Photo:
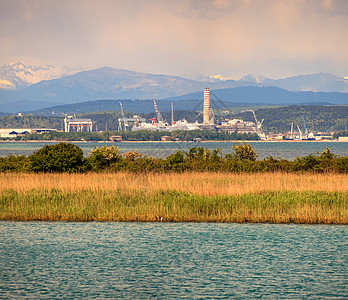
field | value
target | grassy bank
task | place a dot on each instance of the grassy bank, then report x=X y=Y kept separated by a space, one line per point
x=211 y=197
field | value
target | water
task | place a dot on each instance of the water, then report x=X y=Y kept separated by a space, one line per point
x=59 y=260
x=286 y=150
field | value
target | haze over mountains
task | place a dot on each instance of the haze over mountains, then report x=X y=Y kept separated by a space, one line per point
x=320 y=82
x=17 y=75
x=26 y=88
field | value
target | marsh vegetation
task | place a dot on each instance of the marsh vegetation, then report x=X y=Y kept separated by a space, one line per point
x=186 y=197
x=56 y=183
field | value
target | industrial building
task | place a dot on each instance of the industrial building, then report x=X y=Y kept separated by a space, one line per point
x=14 y=132
x=227 y=126
x=237 y=125
x=71 y=123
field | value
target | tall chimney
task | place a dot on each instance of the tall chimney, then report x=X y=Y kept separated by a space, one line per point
x=206 y=106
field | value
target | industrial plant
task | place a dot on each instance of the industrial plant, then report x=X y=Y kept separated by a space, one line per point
x=226 y=125
x=71 y=123
x=217 y=120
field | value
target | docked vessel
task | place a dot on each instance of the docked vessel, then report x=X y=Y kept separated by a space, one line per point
x=158 y=123
x=183 y=125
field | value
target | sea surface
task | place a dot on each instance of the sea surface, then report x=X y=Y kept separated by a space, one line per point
x=285 y=150
x=71 y=260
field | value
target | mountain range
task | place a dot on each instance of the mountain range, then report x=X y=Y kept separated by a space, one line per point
x=17 y=75
x=321 y=82
x=269 y=95
x=29 y=88
x=233 y=98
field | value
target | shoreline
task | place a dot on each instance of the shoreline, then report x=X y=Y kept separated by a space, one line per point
x=193 y=142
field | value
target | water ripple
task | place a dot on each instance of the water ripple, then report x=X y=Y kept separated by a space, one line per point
x=172 y=261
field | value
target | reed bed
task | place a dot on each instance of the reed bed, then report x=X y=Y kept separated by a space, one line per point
x=195 y=183
x=272 y=207
x=187 y=197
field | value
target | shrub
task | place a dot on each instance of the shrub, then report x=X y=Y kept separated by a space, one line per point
x=14 y=163
x=341 y=164
x=245 y=151
x=103 y=157
x=307 y=163
x=132 y=155
x=62 y=157
x=175 y=161
x=327 y=154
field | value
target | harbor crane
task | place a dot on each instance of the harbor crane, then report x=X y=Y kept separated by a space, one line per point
x=125 y=123
x=305 y=128
x=258 y=124
x=300 y=132
x=158 y=114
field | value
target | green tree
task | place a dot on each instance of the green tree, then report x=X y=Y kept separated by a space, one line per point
x=62 y=157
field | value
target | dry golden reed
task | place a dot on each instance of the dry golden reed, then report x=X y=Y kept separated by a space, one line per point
x=208 y=183
x=187 y=197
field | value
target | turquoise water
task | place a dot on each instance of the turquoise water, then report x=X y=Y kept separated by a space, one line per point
x=59 y=260
x=286 y=150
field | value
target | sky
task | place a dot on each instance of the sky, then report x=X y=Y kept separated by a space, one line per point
x=274 y=38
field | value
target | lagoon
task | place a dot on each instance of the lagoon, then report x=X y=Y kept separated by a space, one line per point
x=285 y=150
x=67 y=260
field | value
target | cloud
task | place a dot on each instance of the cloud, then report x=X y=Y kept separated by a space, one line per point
x=230 y=37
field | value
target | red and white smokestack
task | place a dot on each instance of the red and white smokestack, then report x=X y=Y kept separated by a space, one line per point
x=206 y=106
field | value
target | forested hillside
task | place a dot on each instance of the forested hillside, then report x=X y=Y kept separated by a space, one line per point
x=317 y=117
x=30 y=121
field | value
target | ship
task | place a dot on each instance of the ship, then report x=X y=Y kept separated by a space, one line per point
x=158 y=123
x=183 y=125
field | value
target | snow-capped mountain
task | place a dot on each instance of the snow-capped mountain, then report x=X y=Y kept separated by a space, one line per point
x=53 y=88
x=319 y=82
x=254 y=78
x=18 y=75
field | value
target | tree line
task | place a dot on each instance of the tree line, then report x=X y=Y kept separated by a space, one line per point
x=66 y=157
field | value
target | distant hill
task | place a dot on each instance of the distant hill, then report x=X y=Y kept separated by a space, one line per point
x=23 y=106
x=18 y=75
x=110 y=83
x=279 y=119
x=31 y=122
x=321 y=82
x=317 y=118
x=136 y=106
x=233 y=98
x=106 y=83
x=270 y=96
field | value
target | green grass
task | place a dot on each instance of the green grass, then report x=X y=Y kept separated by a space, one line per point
x=308 y=207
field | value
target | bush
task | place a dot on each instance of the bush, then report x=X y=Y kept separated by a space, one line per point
x=103 y=157
x=175 y=161
x=341 y=164
x=14 y=163
x=62 y=157
x=245 y=151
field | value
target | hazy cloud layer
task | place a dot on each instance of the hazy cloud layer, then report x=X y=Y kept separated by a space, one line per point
x=231 y=37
